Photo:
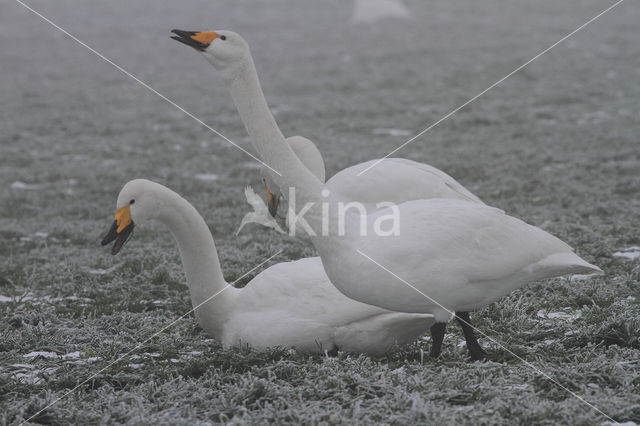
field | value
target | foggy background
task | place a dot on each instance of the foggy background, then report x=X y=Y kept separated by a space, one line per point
x=557 y=145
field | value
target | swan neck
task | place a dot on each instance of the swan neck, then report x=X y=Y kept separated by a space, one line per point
x=200 y=261
x=270 y=143
x=247 y=94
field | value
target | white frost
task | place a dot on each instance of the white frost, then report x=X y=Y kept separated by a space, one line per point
x=29 y=378
x=99 y=271
x=86 y=360
x=559 y=315
x=29 y=366
x=630 y=253
x=43 y=354
x=578 y=277
x=40 y=300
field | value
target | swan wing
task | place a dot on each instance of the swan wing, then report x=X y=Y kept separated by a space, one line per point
x=461 y=254
x=396 y=180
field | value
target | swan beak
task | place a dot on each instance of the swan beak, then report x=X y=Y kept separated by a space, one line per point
x=272 y=201
x=120 y=230
x=198 y=40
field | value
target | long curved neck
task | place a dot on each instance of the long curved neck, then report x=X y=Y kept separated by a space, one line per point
x=200 y=261
x=271 y=145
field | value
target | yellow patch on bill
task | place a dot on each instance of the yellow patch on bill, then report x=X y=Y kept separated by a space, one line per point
x=123 y=218
x=205 y=37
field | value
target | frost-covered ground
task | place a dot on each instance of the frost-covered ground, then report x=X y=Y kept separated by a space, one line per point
x=558 y=144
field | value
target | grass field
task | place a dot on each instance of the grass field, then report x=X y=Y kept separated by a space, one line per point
x=558 y=145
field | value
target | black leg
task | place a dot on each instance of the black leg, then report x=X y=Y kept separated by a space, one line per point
x=437 y=336
x=475 y=350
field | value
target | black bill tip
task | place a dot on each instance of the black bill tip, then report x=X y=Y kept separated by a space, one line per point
x=111 y=235
x=119 y=237
x=123 y=237
x=185 y=37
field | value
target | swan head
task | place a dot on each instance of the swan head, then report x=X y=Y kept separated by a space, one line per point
x=138 y=200
x=225 y=50
x=308 y=154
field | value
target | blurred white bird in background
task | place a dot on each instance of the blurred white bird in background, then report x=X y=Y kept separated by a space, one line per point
x=376 y=10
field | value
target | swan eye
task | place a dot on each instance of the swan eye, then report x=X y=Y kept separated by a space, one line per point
x=223 y=37
x=132 y=201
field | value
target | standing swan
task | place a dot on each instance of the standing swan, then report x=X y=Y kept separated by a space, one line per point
x=446 y=256
x=290 y=304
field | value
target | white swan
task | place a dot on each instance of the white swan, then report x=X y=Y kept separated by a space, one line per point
x=449 y=255
x=375 y=10
x=290 y=304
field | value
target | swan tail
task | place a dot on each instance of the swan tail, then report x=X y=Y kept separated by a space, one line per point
x=563 y=264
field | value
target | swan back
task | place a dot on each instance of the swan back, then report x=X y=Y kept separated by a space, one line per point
x=396 y=180
x=295 y=305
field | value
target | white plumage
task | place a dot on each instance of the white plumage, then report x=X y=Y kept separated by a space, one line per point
x=459 y=255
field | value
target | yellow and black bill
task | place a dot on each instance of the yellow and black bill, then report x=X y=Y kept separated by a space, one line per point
x=120 y=230
x=199 y=40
